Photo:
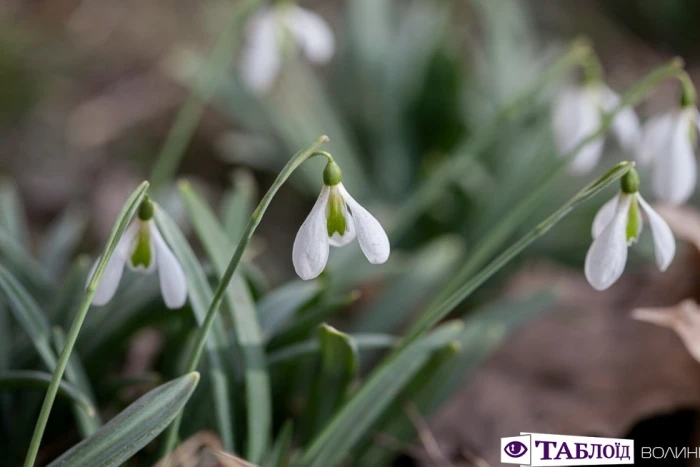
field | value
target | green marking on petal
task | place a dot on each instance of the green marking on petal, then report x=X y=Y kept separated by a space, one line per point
x=336 y=217
x=633 y=221
x=142 y=253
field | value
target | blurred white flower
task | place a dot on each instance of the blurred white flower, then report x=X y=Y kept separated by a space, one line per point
x=335 y=220
x=618 y=225
x=266 y=34
x=578 y=113
x=684 y=318
x=667 y=144
x=144 y=250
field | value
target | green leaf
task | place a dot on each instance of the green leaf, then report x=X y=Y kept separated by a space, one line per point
x=364 y=342
x=39 y=379
x=133 y=428
x=361 y=411
x=302 y=326
x=425 y=272
x=30 y=317
x=337 y=368
x=88 y=423
x=70 y=292
x=238 y=203
x=63 y=237
x=279 y=306
x=245 y=323
x=279 y=454
x=200 y=295
x=417 y=399
x=12 y=217
x=19 y=261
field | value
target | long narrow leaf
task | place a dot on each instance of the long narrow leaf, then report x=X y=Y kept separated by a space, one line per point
x=201 y=295
x=39 y=379
x=358 y=415
x=133 y=428
x=246 y=325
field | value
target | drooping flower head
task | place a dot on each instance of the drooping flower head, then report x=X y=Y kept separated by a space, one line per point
x=271 y=31
x=578 y=113
x=335 y=220
x=668 y=145
x=144 y=250
x=618 y=225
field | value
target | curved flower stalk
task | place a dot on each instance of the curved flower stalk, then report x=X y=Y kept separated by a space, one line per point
x=579 y=110
x=268 y=35
x=335 y=220
x=668 y=145
x=143 y=249
x=617 y=226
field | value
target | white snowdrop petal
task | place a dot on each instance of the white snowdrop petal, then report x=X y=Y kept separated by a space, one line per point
x=261 y=57
x=565 y=118
x=604 y=216
x=115 y=268
x=173 y=283
x=664 y=242
x=675 y=170
x=336 y=240
x=656 y=135
x=310 y=251
x=312 y=33
x=370 y=234
x=625 y=125
x=606 y=258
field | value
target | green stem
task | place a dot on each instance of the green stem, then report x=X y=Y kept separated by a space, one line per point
x=455 y=165
x=120 y=226
x=190 y=113
x=193 y=361
x=439 y=310
x=522 y=210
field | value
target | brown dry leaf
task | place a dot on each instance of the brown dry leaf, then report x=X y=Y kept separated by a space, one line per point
x=584 y=368
x=683 y=318
x=202 y=449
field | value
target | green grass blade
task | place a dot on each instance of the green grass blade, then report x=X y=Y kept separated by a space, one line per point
x=200 y=295
x=20 y=261
x=63 y=237
x=337 y=368
x=133 y=428
x=22 y=379
x=279 y=454
x=364 y=342
x=279 y=306
x=362 y=410
x=68 y=297
x=238 y=203
x=417 y=399
x=245 y=320
x=75 y=373
x=12 y=217
x=29 y=316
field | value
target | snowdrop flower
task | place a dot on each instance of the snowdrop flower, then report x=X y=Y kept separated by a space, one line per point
x=578 y=113
x=667 y=145
x=267 y=34
x=143 y=249
x=335 y=220
x=618 y=225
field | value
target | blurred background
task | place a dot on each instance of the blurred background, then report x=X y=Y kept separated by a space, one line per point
x=89 y=91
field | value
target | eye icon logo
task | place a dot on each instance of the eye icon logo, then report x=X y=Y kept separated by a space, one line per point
x=515 y=449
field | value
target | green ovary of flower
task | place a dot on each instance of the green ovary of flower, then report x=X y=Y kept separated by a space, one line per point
x=336 y=218
x=633 y=221
x=142 y=253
